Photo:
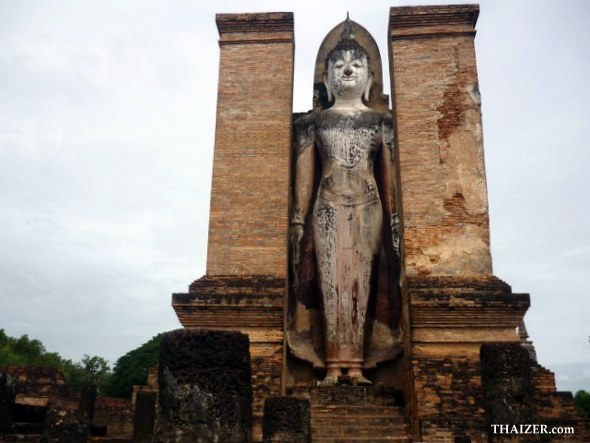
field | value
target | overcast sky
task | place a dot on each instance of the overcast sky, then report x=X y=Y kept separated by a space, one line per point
x=107 y=119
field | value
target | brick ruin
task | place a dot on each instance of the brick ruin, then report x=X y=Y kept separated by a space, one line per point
x=230 y=376
x=466 y=363
x=37 y=405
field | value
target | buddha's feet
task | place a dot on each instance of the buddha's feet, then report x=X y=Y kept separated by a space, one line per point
x=329 y=381
x=360 y=380
x=357 y=378
x=332 y=375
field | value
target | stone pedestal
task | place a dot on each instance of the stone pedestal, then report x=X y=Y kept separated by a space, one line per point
x=507 y=385
x=287 y=420
x=205 y=391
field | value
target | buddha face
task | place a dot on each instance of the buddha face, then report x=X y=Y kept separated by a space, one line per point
x=347 y=75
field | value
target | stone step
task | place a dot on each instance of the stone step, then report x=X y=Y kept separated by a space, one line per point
x=352 y=431
x=346 y=414
x=350 y=395
x=359 y=423
x=352 y=425
x=367 y=410
x=338 y=425
x=364 y=439
x=362 y=420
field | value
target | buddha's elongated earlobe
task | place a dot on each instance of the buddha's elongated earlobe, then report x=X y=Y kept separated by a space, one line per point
x=327 y=85
x=367 y=92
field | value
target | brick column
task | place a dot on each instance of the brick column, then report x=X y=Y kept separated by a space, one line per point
x=244 y=289
x=439 y=140
x=452 y=302
x=250 y=191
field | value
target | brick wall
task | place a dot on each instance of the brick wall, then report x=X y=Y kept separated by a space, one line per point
x=116 y=414
x=452 y=303
x=450 y=318
x=439 y=140
x=250 y=190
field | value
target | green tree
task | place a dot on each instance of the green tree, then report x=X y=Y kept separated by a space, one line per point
x=24 y=351
x=132 y=368
x=582 y=399
x=93 y=370
x=96 y=368
x=27 y=352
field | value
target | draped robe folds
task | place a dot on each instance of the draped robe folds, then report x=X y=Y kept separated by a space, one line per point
x=346 y=295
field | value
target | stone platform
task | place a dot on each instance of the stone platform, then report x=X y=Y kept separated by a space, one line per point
x=346 y=414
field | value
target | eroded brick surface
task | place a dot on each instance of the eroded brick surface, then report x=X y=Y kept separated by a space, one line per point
x=250 y=189
x=205 y=387
x=439 y=140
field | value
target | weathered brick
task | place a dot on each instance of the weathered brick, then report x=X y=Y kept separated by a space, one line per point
x=439 y=140
x=250 y=190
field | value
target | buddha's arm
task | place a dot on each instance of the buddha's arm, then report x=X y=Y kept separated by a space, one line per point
x=388 y=182
x=303 y=141
x=387 y=169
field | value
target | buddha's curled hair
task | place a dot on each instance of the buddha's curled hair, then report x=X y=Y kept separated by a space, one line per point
x=347 y=42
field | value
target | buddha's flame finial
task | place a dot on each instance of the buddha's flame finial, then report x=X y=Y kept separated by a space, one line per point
x=347 y=41
x=347 y=32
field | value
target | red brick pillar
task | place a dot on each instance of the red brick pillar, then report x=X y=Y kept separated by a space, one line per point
x=250 y=191
x=245 y=286
x=452 y=301
x=439 y=140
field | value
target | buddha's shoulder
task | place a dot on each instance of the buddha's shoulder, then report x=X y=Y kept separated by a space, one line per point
x=366 y=113
x=330 y=117
x=304 y=121
x=377 y=117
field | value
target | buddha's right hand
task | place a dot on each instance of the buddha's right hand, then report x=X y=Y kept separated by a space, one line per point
x=295 y=239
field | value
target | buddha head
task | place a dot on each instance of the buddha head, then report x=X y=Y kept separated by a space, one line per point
x=346 y=70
